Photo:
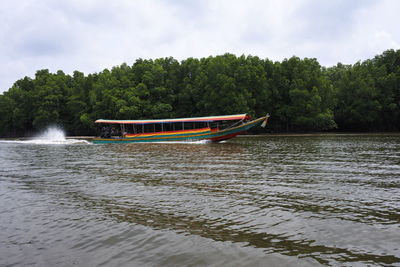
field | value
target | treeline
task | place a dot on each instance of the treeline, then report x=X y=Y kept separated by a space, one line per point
x=300 y=94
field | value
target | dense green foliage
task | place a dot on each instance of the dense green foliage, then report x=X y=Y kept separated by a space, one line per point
x=299 y=94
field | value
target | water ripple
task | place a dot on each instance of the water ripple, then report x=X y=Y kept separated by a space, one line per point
x=287 y=201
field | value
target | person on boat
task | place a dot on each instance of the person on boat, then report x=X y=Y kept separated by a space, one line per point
x=105 y=132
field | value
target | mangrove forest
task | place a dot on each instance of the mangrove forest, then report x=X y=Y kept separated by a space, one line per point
x=299 y=94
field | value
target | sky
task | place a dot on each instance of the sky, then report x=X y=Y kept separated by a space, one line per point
x=91 y=35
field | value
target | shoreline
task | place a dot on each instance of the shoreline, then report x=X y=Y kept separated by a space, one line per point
x=322 y=134
x=248 y=135
x=284 y=135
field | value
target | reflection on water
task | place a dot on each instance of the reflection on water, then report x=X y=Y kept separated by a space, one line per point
x=254 y=201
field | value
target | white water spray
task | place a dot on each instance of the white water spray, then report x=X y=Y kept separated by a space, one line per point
x=51 y=136
x=54 y=135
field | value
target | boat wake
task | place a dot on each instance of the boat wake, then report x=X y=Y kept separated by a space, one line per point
x=51 y=136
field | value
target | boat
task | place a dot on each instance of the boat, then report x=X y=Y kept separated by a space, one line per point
x=212 y=128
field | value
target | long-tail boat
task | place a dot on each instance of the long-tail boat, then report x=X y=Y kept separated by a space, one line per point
x=212 y=128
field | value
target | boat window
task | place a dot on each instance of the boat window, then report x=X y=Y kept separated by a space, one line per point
x=157 y=127
x=178 y=126
x=168 y=127
x=148 y=128
x=214 y=124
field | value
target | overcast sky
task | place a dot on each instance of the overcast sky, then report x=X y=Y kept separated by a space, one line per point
x=90 y=35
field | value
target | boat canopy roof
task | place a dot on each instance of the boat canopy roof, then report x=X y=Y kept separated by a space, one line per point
x=195 y=119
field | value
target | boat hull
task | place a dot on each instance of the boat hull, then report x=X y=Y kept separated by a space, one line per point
x=190 y=135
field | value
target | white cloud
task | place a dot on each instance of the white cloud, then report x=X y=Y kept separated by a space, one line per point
x=91 y=35
x=376 y=29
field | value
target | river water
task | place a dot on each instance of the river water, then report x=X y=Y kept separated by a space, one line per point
x=253 y=201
